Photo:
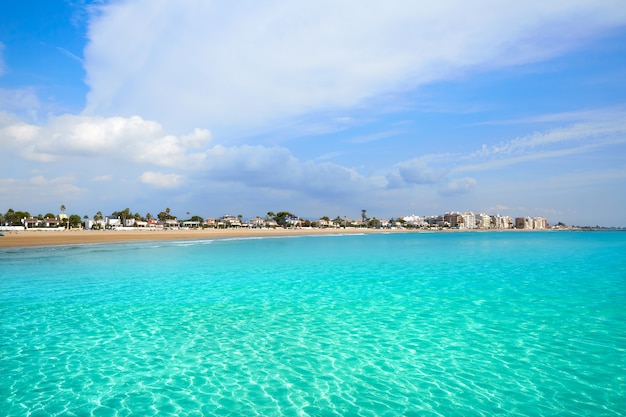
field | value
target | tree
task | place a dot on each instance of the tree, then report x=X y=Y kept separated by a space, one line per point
x=74 y=220
x=374 y=223
x=124 y=214
x=14 y=218
x=62 y=208
x=281 y=217
x=363 y=215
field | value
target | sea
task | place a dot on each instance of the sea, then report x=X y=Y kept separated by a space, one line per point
x=397 y=324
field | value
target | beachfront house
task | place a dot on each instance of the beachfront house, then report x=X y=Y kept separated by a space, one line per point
x=135 y=223
x=256 y=222
x=31 y=222
x=192 y=223
x=230 y=221
x=51 y=222
x=170 y=224
x=112 y=221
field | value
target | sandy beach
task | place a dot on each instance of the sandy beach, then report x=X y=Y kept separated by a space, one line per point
x=29 y=238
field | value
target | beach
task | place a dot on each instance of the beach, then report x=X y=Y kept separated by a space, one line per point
x=29 y=238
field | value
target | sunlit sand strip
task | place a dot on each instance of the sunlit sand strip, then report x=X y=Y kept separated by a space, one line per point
x=28 y=238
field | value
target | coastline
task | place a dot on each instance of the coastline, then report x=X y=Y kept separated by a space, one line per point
x=32 y=238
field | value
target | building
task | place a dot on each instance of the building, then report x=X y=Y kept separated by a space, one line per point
x=483 y=221
x=501 y=222
x=469 y=220
x=454 y=220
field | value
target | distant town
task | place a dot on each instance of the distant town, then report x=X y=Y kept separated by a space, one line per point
x=125 y=219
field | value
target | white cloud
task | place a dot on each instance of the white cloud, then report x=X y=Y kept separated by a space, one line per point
x=192 y=63
x=160 y=180
x=552 y=144
x=276 y=167
x=131 y=139
x=416 y=171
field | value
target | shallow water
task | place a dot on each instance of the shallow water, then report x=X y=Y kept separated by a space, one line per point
x=398 y=324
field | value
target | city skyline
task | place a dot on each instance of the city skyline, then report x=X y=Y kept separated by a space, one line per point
x=315 y=108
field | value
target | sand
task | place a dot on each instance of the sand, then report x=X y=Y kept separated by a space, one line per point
x=29 y=238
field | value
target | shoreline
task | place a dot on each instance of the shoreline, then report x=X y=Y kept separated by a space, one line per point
x=39 y=238
x=42 y=238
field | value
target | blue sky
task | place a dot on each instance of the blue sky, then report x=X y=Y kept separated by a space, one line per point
x=318 y=108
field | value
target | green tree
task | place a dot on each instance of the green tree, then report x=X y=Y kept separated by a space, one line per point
x=123 y=215
x=14 y=218
x=74 y=220
x=374 y=223
x=281 y=218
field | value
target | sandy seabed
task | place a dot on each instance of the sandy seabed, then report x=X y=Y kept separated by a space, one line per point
x=28 y=238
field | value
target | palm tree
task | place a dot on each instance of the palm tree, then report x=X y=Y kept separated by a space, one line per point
x=62 y=208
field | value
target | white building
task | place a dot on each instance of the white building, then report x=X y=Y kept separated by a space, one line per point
x=469 y=220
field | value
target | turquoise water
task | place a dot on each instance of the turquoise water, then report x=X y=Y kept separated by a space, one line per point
x=471 y=324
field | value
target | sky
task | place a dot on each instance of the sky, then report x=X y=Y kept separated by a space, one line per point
x=320 y=108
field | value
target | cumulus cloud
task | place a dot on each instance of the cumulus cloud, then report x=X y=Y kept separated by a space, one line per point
x=132 y=139
x=210 y=63
x=416 y=171
x=276 y=167
x=141 y=143
x=160 y=180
